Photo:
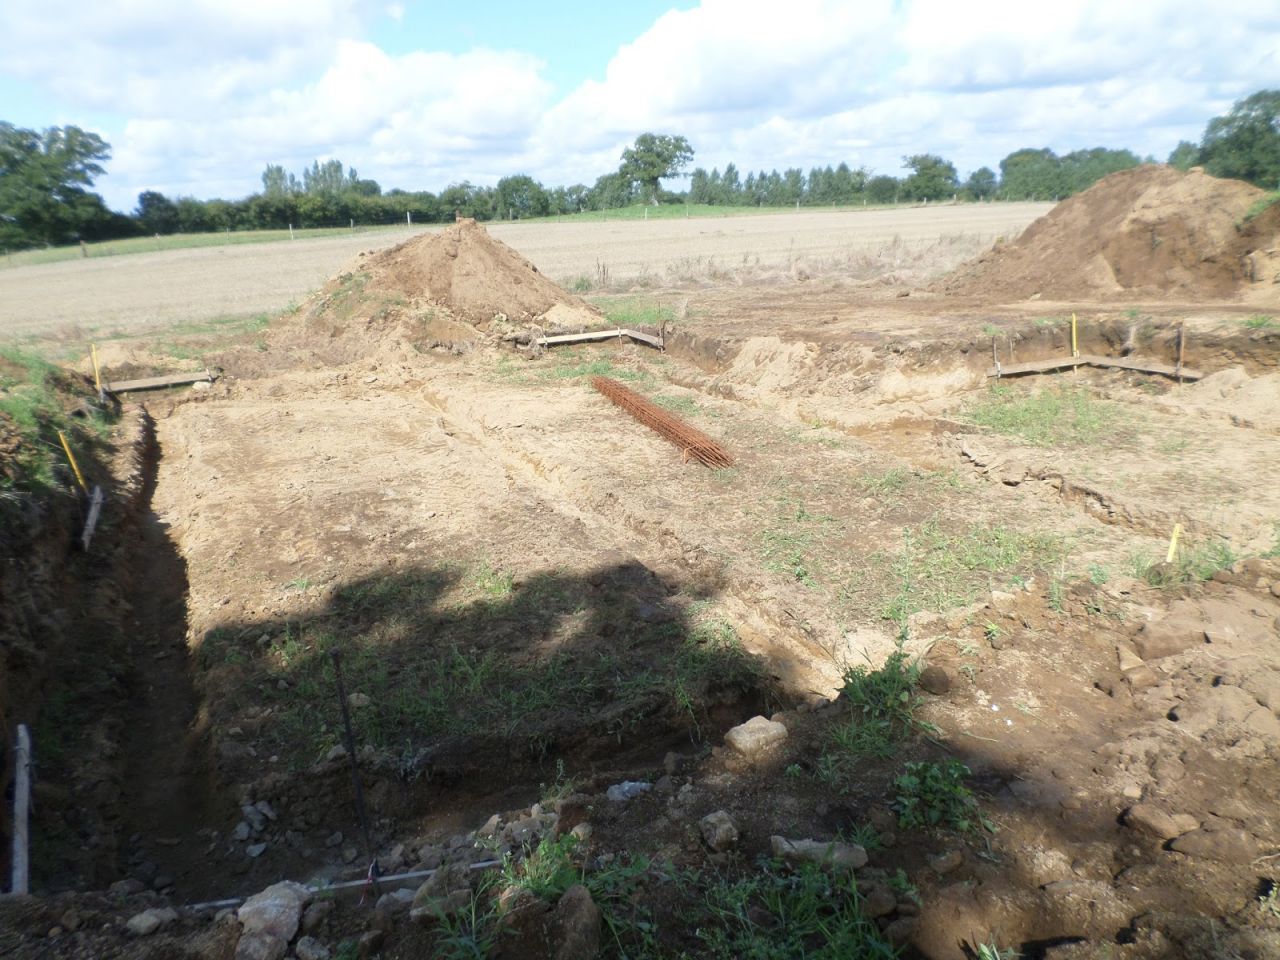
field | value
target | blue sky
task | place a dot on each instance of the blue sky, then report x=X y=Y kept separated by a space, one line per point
x=198 y=97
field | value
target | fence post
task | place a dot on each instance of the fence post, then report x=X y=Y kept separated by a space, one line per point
x=21 y=806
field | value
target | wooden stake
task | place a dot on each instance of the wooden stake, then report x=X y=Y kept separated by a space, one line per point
x=1182 y=346
x=995 y=357
x=21 y=810
x=1173 y=543
x=95 y=511
x=72 y=460
x=97 y=372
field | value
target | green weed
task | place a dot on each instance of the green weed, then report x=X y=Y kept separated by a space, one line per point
x=993 y=951
x=1067 y=416
x=1191 y=565
x=1259 y=321
x=778 y=915
x=631 y=312
x=931 y=795
x=882 y=706
x=937 y=570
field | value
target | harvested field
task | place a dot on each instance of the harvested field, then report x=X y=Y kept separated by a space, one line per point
x=199 y=285
x=1010 y=718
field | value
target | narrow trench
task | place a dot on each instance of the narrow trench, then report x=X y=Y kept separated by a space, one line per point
x=168 y=793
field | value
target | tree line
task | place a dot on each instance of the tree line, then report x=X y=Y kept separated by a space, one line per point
x=45 y=181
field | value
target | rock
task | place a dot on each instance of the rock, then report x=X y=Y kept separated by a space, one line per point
x=315 y=916
x=349 y=854
x=755 y=737
x=1164 y=638
x=255 y=850
x=334 y=839
x=453 y=876
x=900 y=932
x=523 y=831
x=582 y=832
x=161 y=881
x=945 y=863
x=429 y=856
x=264 y=808
x=255 y=817
x=241 y=832
x=1151 y=820
x=490 y=827
x=628 y=789
x=394 y=901
x=671 y=762
x=1227 y=845
x=879 y=901
x=577 y=925
x=358 y=700
x=369 y=944
x=277 y=910
x=336 y=753
x=260 y=945
x=309 y=948
x=845 y=856
x=935 y=680
x=1003 y=602
x=429 y=910
x=126 y=888
x=719 y=831
x=149 y=921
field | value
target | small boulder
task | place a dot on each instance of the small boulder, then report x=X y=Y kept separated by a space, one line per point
x=719 y=831
x=1151 y=820
x=627 y=790
x=756 y=737
x=1167 y=637
x=309 y=948
x=149 y=921
x=844 y=856
x=260 y=945
x=878 y=901
x=277 y=910
x=935 y=680
x=1226 y=845
x=577 y=925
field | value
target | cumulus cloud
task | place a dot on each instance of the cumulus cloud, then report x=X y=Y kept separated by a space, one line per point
x=209 y=91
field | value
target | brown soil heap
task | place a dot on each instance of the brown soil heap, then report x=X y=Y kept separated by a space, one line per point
x=476 y=278
x=1149 y=230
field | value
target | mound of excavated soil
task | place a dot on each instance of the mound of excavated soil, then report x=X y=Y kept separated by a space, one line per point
x=1152 y=230
x=476 y=278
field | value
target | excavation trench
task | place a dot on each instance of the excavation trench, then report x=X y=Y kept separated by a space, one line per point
x=470 y=691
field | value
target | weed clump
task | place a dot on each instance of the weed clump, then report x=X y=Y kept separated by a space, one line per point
x=934 y=795
x=1066 y=416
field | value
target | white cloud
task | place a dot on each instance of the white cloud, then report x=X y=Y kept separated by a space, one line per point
x=212 y=90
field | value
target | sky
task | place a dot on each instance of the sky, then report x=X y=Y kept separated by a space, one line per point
x=197 y=97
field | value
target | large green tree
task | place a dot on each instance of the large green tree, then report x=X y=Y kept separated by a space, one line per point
x=931 y=177
x=44 y=185
x=653 y=157
x=1245 y=143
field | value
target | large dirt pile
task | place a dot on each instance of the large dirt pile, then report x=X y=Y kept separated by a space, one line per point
x=1152 y=230
x=476 y=278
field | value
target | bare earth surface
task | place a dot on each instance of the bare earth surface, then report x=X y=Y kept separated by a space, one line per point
x=535 y=598
x=181 y=286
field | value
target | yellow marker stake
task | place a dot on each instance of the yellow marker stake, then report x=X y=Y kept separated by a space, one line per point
x=1075 y=348
x=97 y=374
x=1173 y=543
x=72 y=460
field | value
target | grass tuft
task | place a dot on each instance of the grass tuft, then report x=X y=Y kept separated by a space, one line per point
x=1067 y=416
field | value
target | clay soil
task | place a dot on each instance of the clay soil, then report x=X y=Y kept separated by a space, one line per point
x=527 y=591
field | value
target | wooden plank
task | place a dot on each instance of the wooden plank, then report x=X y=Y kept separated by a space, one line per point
x=1116 y=363
x=579 y=337
x=599 y=335
x=643 y=338
x=1035 y=366
x=153 y=383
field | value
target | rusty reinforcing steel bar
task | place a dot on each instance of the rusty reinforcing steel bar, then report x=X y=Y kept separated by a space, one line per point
x=692 y=443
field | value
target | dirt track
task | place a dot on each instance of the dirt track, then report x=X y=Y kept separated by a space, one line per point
x=181 y=286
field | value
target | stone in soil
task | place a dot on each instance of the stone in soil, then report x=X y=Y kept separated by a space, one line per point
x=260 y=946
x=628 y=790
x=935 y=680
x=1154 y=822
x=845 y=856
x=149 y=921
x=277 y=910
x=756 y=737
x=719 y=831
x=878 y=901
x=1224 y=844
x=1167 y=637
x=577 y=925
x=309 y=948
